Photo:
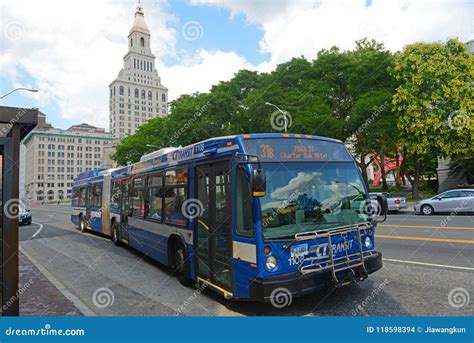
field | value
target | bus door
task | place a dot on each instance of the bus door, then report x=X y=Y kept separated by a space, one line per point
x=124 y=209
x=213 y=225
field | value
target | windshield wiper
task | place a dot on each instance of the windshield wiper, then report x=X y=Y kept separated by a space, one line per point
x=301 y=236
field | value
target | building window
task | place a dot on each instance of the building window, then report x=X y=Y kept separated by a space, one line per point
x=142 y=41
x=131 y=42
x=136 y=93
x=150 y=96
x=143 y=94
x=121 y=90
x=163 y=97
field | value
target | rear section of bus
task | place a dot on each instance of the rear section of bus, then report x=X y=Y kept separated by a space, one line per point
x=312 y=225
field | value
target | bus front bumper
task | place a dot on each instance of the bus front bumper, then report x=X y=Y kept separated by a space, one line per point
x=300 y=284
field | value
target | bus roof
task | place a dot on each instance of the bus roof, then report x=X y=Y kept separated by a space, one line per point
x=89 y=174
x=211 y=146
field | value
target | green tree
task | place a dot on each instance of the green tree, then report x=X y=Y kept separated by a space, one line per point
x=434 y=102
x=147 y=138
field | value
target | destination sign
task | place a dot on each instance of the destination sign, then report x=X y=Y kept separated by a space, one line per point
x=295 y=149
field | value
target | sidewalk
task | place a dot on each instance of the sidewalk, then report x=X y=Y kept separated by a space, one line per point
x=39 y=296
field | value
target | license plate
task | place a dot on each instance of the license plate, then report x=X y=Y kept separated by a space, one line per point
x=299 y=250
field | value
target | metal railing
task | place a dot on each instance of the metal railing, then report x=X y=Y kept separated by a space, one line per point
x=336 y=264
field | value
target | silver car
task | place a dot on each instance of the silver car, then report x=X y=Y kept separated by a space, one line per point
x=456 y=201
x=395 y=204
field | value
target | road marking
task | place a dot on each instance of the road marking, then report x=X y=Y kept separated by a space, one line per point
x=427 y=264
x=430 y=239
x=85 y=310
x=426 y=227
x=39 y=230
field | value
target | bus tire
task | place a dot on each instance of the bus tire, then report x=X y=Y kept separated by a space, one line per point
x=180 y=265
x=82 y=224
x=115 y=233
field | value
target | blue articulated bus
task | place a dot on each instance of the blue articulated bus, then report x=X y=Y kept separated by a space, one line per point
x=247 y=215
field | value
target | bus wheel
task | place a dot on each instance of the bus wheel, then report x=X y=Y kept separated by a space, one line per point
x=180 y=265
x=82 y=224
x=115 y=236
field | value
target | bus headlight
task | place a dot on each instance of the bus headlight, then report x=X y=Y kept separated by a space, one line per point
x=271 y=262
x=368 y=242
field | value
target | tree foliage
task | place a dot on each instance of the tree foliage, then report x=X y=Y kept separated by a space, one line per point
x=433 y=101
x=332 y=96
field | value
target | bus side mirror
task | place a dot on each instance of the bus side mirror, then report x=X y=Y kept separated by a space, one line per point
x=383 y=204
x=259 y=182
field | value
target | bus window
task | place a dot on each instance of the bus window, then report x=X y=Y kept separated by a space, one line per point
x=95 y=195
x=155 y=197
x=244 y=220
x=137 y=201
x=75 y=197
x=114 y=201
x=82 y=197
x=175 y=194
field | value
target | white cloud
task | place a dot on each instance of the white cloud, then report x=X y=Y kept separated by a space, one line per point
x=73 y=50
x=207 y=69
x=294 y=28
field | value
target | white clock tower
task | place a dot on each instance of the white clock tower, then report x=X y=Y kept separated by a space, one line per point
x=136 y=95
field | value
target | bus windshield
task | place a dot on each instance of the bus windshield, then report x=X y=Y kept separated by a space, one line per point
x=310 y=196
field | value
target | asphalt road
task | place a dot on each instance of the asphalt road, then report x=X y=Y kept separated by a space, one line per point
x=425 y=258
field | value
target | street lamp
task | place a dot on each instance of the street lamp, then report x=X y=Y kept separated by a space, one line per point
x=283 y=112
x=19 y=89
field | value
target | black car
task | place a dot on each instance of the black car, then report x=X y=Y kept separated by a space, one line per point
x=24 y=217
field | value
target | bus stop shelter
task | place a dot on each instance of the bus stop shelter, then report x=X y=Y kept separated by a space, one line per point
x=15 y=124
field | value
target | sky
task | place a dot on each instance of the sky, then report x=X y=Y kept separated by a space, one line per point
x=71 y=50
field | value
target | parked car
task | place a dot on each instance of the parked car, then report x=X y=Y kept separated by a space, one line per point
x=395 y=204
x=457 y=200
x=24 y=216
